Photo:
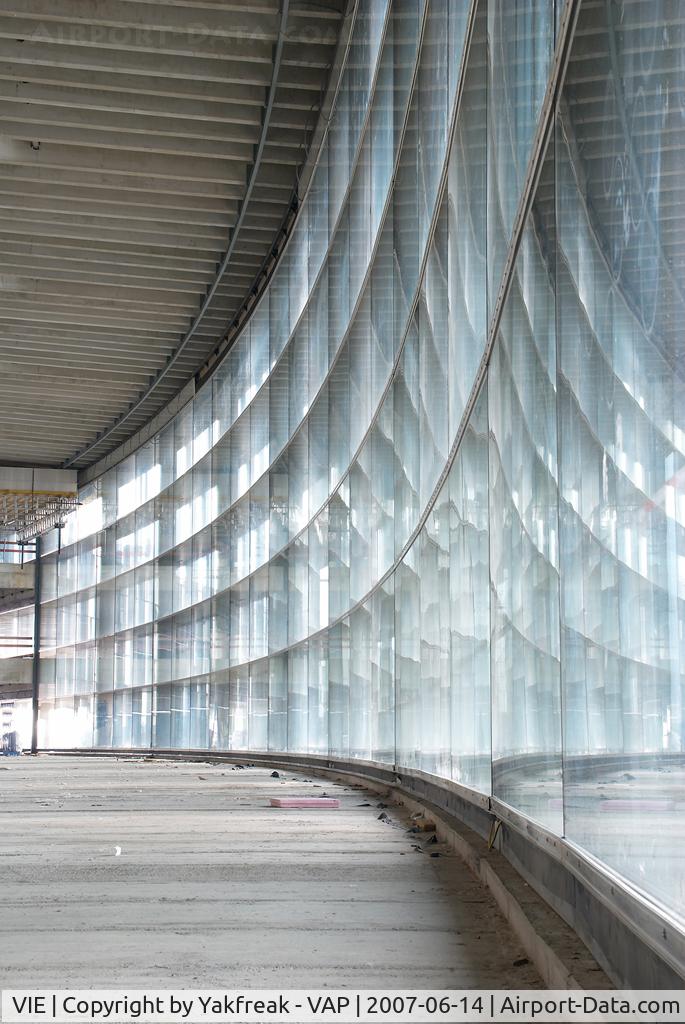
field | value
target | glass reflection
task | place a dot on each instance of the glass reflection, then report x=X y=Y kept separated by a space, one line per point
x=620 y=197
x=524 y=569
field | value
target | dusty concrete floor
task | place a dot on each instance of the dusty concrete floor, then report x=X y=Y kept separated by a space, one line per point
x=212 y=887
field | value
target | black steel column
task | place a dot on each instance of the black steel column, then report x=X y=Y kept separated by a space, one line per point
x=35 y=668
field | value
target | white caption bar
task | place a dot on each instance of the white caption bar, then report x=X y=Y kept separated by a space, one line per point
x=356 y=1007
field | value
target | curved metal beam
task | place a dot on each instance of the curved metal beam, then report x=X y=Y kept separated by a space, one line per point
x=161 y=374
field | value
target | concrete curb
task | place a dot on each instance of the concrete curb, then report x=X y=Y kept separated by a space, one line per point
x=491 y=869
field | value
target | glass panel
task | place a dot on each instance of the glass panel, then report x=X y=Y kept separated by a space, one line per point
x=239 y=689
x=382 y=490
x=298 y=590
x=183 y=441
x=219 y=701
x=202 y=423
x=382 y=132
x=406 y=434
x=339 y=151
x=433 y=348
x=359 y=373
x=259 y=614
x=466 y=214
x=360 y=683
x=298 y=352
x=337 y=400
x=338 y=690
x=406 y=226
x=408 y=662
x=317 y=698
x=298 y=248
x=278 y=702
x=317 y=201
x=469 y=603
x=298 y=698
x=259 y=346
x=434 y=576
x=526 y=700
x=258 y=725
x=164 y=458
x=433 y=100
x=621 y=306
x=339 y=286
x=360 y=222
x=317 y=335
x=241 y=377
x=318 y=573
x=520 y=47
x=339 y=551
x=279 y=310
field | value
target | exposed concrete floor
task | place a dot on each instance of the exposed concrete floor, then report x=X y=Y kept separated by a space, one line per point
x=213 y=888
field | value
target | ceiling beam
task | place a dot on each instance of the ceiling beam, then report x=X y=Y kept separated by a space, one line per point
x=160 y=204
x=313 y=26
x=115 y=212
x=126 y=184
x=121 y=63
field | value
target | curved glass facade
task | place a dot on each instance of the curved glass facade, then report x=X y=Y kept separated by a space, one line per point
x=429 y=511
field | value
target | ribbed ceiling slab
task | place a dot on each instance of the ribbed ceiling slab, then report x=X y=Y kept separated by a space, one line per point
x=128 y=135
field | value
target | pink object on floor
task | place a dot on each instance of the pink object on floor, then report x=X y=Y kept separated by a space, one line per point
x=304 y=801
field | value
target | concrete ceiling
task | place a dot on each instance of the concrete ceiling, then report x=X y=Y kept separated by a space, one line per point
x=129 y=130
